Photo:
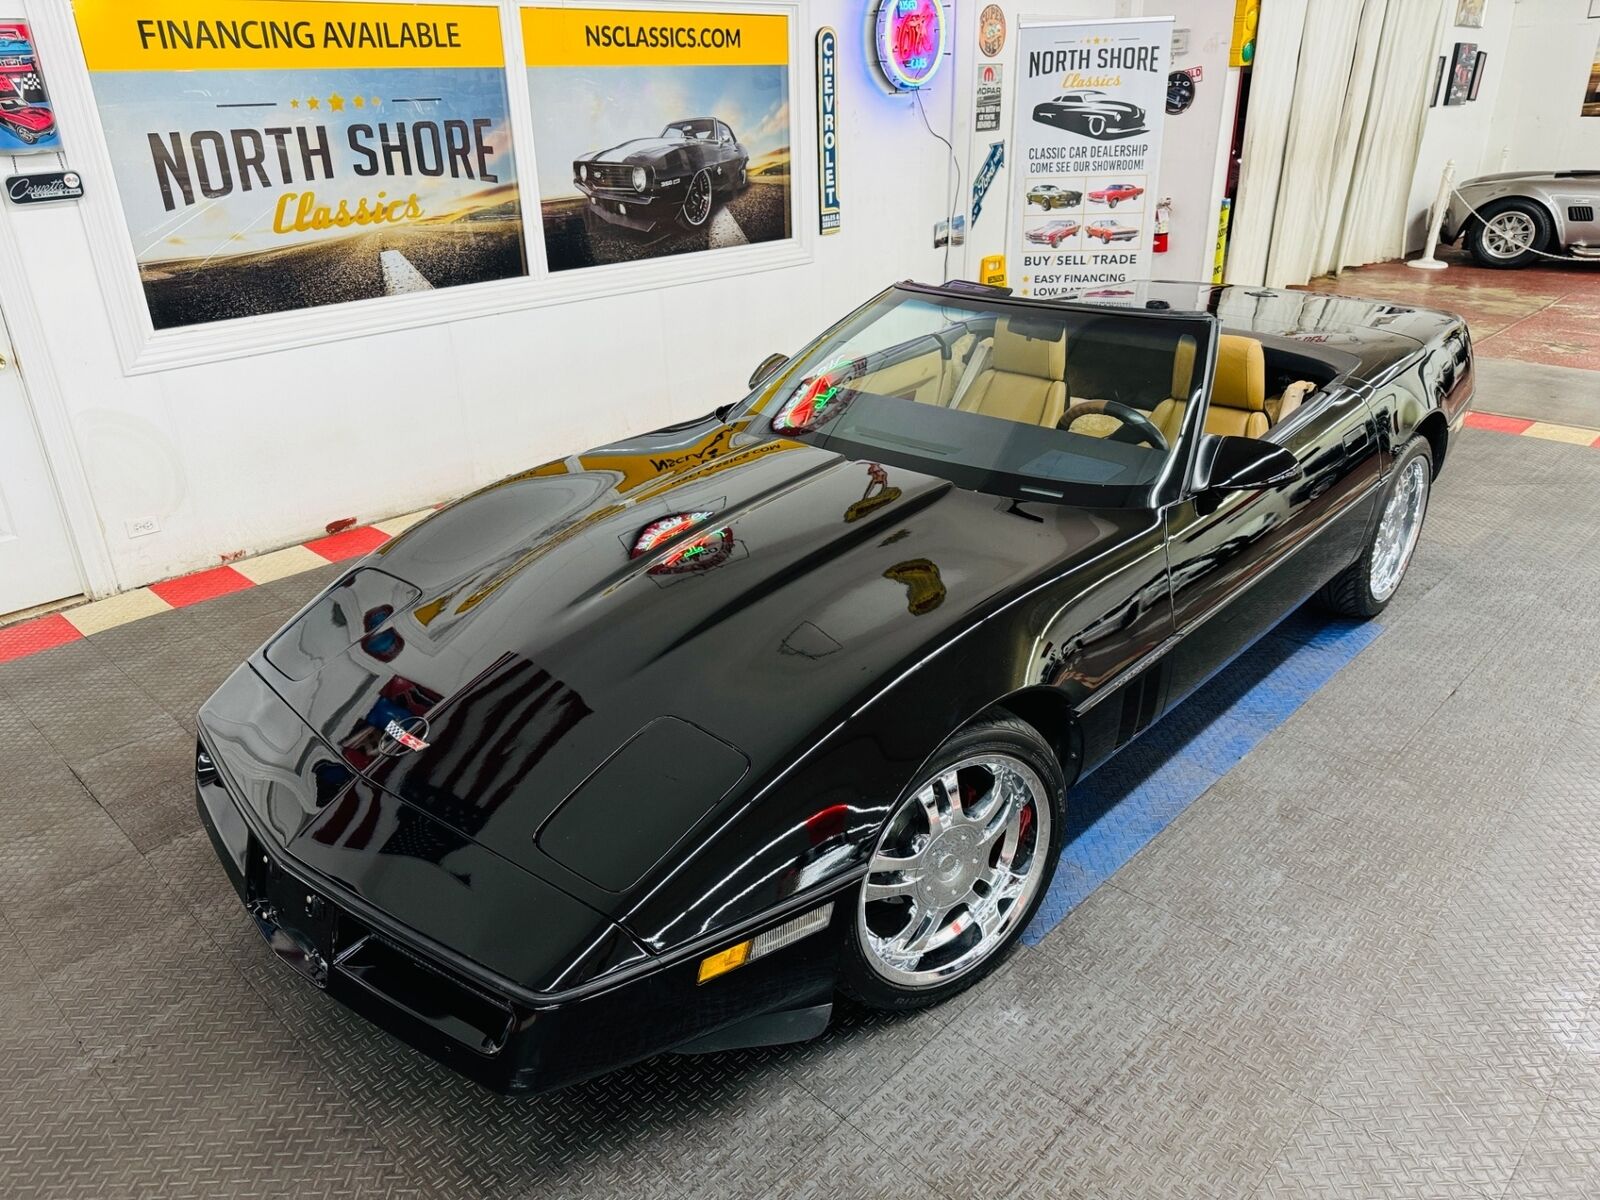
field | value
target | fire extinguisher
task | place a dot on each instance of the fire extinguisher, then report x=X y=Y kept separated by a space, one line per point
x=1163 y=222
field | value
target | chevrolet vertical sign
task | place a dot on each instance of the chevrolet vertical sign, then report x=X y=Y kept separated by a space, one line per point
x=827 y=130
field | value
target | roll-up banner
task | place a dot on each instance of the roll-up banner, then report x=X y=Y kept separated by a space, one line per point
x=1091 y=99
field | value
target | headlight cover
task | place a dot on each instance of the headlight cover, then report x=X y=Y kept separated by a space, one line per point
x=583 y=171
x=639 y=179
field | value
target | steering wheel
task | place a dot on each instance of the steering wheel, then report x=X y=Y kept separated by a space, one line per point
x=1135 y=428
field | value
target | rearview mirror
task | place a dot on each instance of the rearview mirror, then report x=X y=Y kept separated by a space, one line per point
x=768 y=368
x=1243 y=464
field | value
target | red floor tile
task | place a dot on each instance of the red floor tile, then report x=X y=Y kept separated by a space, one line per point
x=352 y=543
x=1479 y=420
x=30 y=637
x=206 y=585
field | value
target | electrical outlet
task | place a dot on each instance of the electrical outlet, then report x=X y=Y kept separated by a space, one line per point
x=143 y=527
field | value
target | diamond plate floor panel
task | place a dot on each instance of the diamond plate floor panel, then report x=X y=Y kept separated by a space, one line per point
x=1346 y=943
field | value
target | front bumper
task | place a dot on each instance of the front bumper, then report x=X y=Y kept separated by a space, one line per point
x=499 y=1036
x=639 y=211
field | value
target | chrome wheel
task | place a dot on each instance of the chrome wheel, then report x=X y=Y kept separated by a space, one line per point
x=1400 y=529
x=1096 y=126
x=955 y=871
x=1510 y=233
x=697 y=200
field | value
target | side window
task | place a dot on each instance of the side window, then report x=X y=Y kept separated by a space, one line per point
x=724 y=132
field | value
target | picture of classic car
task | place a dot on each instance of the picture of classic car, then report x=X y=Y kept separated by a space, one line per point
x=498 y=791
x=1048 y=196
x=1091 y=113
x=27 y=123
x=1051 y=233
x=1110 y=231
x=644 y=183
x=1509 y=220
x=1114 y=194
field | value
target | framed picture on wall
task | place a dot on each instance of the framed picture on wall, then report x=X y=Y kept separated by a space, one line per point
x=1461 y=73
x=1469 y=14
x=1478 y=62
x=1438 y=78
x=1591 y=94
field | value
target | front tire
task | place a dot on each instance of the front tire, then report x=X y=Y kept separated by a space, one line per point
x=959 y=868
x=1095 y=125
x=1365 y=587
x=697 y=200
x=1510 y=234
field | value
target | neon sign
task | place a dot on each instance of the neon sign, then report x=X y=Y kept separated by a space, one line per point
x=911 y=40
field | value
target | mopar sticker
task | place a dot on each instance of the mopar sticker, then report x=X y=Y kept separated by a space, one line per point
x=986 y=103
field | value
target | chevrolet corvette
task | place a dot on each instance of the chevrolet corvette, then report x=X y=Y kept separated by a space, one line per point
x=664 y=746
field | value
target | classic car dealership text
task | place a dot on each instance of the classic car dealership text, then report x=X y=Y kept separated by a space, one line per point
x=597 y=586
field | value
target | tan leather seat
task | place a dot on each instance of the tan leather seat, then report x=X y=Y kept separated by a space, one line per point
x=1238 y=392
x=1279 y=408
x=1025 y=379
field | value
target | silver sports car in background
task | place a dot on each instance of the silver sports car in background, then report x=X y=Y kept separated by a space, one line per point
x=1508 y=220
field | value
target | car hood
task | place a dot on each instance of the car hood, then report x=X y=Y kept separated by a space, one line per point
x=522 y=627
x=640 y=150
x=1532 y=177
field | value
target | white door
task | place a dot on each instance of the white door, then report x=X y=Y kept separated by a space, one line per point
x=36 y=560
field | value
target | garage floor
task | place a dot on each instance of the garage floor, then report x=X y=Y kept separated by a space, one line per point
x=1365 y=962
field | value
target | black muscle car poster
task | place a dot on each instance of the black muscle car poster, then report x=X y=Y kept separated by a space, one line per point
x=658 y=133
x=1090 y=106
x=274 y=155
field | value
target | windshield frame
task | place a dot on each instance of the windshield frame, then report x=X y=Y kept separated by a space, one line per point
x=1166 y=487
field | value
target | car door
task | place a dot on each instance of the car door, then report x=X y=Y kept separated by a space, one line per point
x=1242 y=561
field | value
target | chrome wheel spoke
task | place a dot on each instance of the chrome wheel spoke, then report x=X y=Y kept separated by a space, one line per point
x=954 y=870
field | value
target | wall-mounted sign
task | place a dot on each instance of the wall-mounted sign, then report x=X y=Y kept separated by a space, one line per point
x=274 y=155
x=910 y=42
x=1090 y=106
x=991 y=167
x=992 y=270
x=44 y=187
x=658 y=132
x=27 y=119
x=991 y=30
x=986 y=103
x=827 y=130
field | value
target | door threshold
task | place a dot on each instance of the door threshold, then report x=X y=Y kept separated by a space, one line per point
x=41 y=610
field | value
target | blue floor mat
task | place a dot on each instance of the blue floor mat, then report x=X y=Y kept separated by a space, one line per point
x=1114 y=812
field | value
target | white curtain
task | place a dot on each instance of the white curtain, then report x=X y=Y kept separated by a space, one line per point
x=1337 y=100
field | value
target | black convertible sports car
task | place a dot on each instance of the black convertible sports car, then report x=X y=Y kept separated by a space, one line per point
x=662 y=746
x=647 y=182
x=1091 y=113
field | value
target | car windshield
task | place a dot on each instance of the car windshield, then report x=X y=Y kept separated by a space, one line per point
x=1027 y=400
x=702 y=131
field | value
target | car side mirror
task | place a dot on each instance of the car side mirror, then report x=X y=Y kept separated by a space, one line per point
x=768 y=368
x=1243 y=464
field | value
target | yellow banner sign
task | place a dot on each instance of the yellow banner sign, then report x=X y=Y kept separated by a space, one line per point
x=216 y=35
x=616 y=37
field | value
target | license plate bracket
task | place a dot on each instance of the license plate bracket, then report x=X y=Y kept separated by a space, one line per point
x=296 y=920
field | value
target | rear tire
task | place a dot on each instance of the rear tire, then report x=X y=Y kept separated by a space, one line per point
x=1366 y=586
x=978 y=865
x=1494 y=241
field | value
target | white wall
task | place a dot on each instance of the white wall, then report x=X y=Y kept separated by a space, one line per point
x=1536 y=123
x=253 y=453
x=1461 y=132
